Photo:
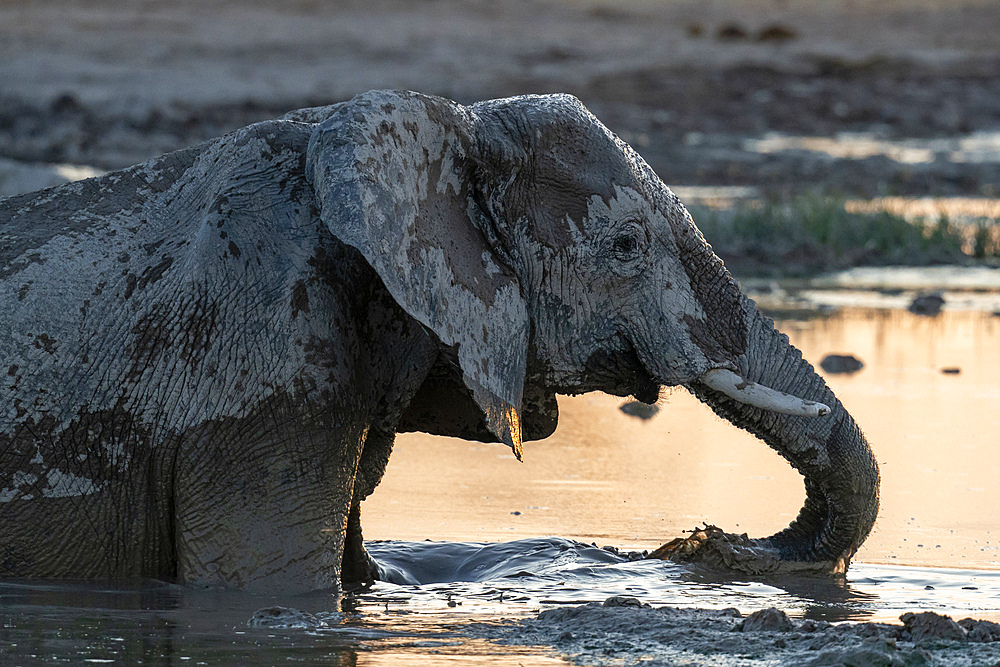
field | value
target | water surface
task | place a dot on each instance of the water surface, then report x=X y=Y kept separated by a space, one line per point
x=610 y=478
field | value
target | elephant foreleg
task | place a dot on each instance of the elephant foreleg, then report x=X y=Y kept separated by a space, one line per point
x=358 y=566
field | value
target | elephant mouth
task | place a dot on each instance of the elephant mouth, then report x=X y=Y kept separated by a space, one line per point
x=621 y=373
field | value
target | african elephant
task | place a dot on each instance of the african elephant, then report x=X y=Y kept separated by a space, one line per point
x=206 y=357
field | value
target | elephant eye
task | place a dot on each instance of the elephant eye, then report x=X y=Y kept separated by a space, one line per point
x=625 y=245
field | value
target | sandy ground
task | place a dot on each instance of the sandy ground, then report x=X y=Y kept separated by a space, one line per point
x=688 y=83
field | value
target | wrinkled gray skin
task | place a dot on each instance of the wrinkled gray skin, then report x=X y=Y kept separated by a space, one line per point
x=205 y=358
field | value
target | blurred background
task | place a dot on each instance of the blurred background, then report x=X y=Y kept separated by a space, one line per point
x=760 y=99
x=819 y=144
x=738 y=104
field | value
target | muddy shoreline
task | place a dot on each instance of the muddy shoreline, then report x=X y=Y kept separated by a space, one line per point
x=625 y=631
x=693 y=86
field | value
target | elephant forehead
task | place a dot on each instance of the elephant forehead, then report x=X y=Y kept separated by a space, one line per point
x=621 y=204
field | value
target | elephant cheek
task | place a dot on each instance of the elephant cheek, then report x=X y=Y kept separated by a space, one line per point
x=717 y=349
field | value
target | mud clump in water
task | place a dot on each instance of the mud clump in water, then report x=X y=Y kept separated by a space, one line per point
x=928 y=625
x=716 y=549
x=766 y=620
x=284 y=618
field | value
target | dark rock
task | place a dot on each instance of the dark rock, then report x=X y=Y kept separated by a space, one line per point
x=694 y=30
x=66 y=103
x=767 y=620
x=927 y=304
x=731 y=31
x=929 y=625
x=776 y=33
x=639 y=409
x=841 y=363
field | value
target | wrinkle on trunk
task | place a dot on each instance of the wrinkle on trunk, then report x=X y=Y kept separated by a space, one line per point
x=841 y=475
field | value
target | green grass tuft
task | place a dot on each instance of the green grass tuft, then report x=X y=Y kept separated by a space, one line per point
x=813 y=234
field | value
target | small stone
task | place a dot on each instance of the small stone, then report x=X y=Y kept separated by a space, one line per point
x=841 y=363
x=927 y=304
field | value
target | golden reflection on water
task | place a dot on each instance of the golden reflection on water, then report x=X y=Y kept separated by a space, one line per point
x=610 y=478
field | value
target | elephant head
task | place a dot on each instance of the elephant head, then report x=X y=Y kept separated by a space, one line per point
x=546 y=256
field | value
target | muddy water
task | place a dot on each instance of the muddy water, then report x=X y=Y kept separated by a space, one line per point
x=610 y=479
x=613 y=479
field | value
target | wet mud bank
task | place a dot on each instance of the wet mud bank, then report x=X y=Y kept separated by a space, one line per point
x=625 y=631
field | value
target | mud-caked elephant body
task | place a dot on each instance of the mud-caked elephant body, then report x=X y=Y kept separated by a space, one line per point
x=171 y=397
x=205 y=358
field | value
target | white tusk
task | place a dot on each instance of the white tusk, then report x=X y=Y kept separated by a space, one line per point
x=757 y=395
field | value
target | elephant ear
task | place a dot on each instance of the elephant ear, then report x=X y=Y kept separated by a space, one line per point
x=391 y=172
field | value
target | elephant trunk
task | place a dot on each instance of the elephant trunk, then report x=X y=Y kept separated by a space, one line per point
x=828 y=448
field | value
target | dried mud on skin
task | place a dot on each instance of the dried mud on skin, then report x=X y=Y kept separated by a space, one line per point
x=625 y=631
